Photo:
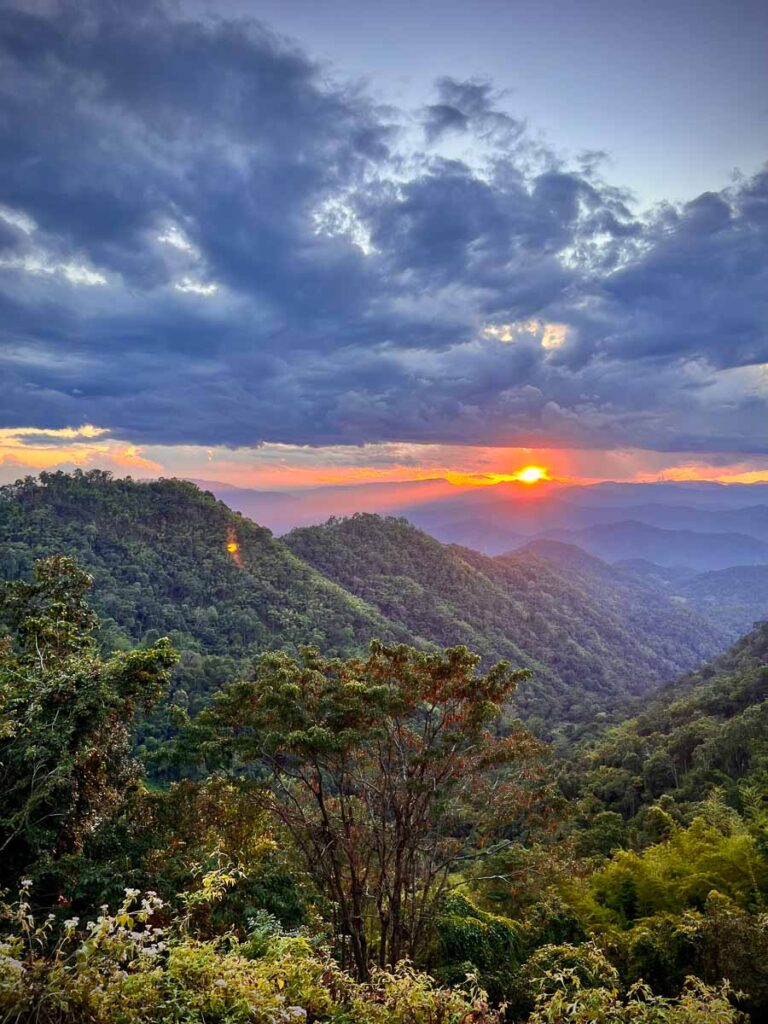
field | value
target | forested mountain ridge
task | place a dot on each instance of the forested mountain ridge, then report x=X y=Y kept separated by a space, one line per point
x=734 y=600
x=737 y=596
x=592 y=634
x=708 y=730
x=158 y=552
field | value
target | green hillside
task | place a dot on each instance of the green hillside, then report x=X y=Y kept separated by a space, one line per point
x=669 y=812
x=708 y=730
x=737 y=596
x=158 y=555
x=591 y=634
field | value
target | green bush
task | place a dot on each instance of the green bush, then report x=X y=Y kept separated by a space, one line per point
x=470 y=941
x=578 y=985
x=128 y=968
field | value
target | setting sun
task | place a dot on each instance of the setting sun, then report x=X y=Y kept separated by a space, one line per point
x=531 y=474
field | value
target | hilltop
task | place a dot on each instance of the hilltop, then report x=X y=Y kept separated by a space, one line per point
x=590 y=633
x=158 y=555
x=158 y=552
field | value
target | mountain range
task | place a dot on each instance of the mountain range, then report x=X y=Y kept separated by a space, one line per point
x=700 y=526
x=168 y=558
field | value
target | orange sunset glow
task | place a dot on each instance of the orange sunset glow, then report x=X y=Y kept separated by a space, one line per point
x=28 y=450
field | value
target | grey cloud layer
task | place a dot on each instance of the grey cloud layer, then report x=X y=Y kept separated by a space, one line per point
x=207 y=241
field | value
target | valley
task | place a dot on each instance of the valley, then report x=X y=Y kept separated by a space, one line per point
x=598 y=736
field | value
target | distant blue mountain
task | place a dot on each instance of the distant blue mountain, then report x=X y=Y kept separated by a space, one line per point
x=701 y=551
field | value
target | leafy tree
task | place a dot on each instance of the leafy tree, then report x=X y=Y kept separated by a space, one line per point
x=386 y=773
x=65 y=717
x=607 y=832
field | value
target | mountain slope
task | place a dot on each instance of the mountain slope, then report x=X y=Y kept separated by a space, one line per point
x=651 y=635
x=708 y=729
x=496 y=518
x=735 y=598
x=738 y=596
x=701 y=551
x=590 y=634
x=158 y=554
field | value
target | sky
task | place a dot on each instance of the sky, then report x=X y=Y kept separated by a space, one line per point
x=283 y=244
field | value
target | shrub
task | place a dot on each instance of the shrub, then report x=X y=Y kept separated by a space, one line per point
x=470 y=941
x=125 y=968
x=697 y=1004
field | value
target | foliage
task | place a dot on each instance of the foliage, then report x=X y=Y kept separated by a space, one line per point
x=130 y=968
x=141 y=964
x=65 y=717
x=709 y=730
x=719 y=941
x=692 y=904
x=380 y=769
x=697 y=1004
x=682 y=871
x=578 y=985
x=552 y=969
x=170 y=840
x=470 y=941
x=523 y=879
x=591 y=635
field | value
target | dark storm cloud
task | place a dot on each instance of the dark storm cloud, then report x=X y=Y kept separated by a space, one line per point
x=701 y=285
x=205 y=240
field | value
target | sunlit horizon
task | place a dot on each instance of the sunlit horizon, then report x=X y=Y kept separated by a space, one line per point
x=281 y=467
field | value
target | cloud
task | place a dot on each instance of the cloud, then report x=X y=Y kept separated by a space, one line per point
x=470 y=106
x=205 y=240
